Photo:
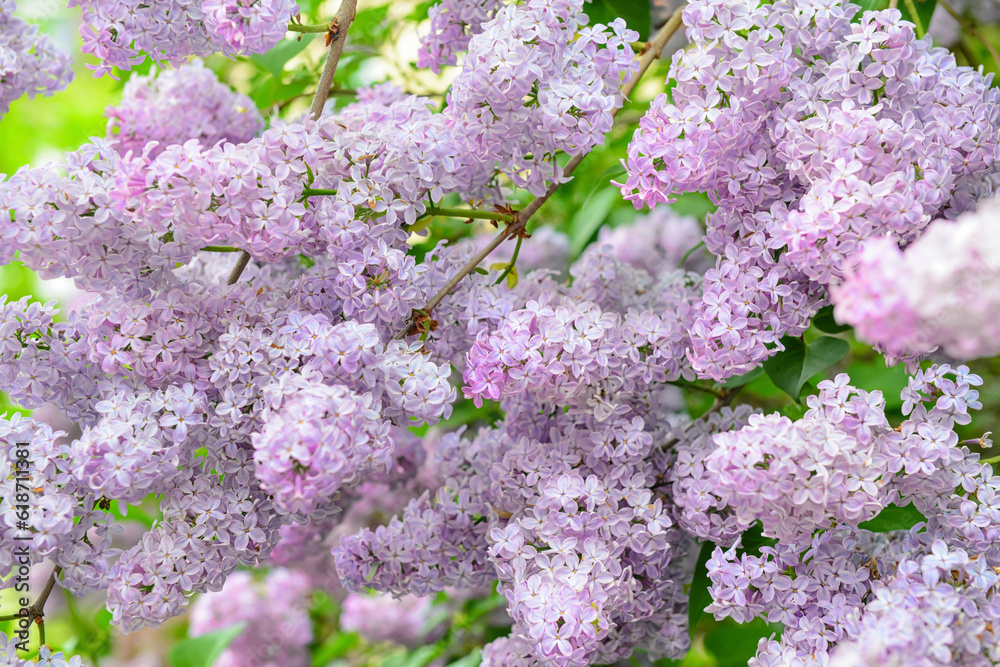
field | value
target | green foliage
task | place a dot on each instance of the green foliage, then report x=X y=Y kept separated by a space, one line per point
x=732 y=644
x=894 y=517
x=637 y=14
x=925 y=10
x=824 y=321
x=273 y=62
x=589 y=217
x=746 y=378
x=791 y=368
x=336 y=646
x=204 y=650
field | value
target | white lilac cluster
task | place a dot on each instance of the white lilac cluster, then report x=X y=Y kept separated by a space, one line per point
x=122 y=33
x=177 y=105
x=811 y=132
x=29 y=64
x=940 y=292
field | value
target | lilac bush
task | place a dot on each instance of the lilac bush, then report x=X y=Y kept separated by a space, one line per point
x=355 y=429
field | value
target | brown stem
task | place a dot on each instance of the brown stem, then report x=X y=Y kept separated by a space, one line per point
x=36 y=612
x=336 y=34
x=241 y=263
x=338 y=31
x=516 y=228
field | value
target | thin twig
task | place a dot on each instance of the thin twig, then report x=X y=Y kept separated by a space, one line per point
x=512 y=263
x=299 y=27
x=36 y=612
x=336 y=32
x=694 y=386
x=241 y=263
x=516 y=228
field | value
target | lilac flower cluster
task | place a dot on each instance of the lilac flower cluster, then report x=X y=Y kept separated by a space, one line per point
x=563 y=501
x=843 y=593
x=122 y=33
x=616 y=330
x=176 y=378
x=811 y=132
x=178 y=105
x=940 y=292
x=278 y=628
x=29 y=64
x=841 y=464
x=453 y=24
x=536 y=82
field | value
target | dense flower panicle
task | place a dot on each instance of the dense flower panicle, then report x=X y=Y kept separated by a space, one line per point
x=940 y=292
x=380 y=618
x=122 y=33
x=29 y=64
x=278 y=628
x=616 y=329
x=562 y=501
x=208 y=529
x=453 y=24
x=811 y=132
x=176 y=105
x=842 y=593
x=535 y=82
x=317 y=439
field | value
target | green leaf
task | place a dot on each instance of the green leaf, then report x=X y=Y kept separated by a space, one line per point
x=753 y=539
x=733 y=644
x=695 y=204
x=369 y=26
x=698 y=595
x=824 y=321
x=869 y=6
x=894 y=517
x=273 y=62
x=795 y=411
x=740 y=380
x=636 y=13
x=334 y=647
x=925 y=10
x=589 y=217
x=791 y=368
x=420 y=224
x=471 y=660
x=204 y=650
x=416 y=658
